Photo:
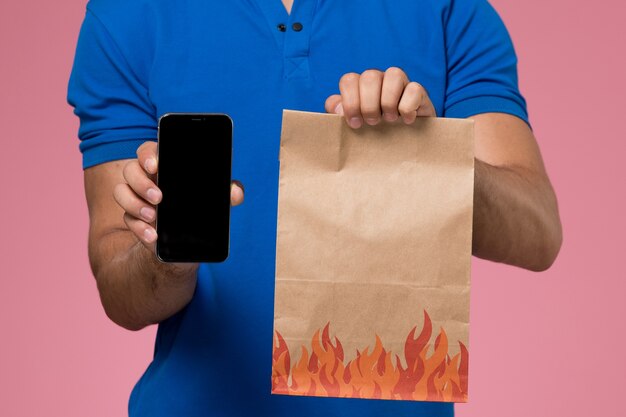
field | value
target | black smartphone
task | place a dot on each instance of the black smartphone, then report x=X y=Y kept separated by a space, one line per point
x=194 y=175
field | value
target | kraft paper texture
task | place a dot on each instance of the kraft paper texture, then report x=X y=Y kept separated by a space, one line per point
x=373 y=257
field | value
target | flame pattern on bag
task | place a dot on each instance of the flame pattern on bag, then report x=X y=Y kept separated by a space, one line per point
x=322 y=372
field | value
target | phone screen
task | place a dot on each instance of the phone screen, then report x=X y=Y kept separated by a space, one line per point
x=194 y=175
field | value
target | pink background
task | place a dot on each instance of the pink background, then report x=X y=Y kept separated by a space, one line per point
x=547 y=344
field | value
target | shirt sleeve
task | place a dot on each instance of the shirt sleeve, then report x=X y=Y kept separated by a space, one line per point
x=482 y=65
x=110 y=98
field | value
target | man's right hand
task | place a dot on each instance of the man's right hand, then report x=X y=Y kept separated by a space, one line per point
x=135 y=288
x=138 y=194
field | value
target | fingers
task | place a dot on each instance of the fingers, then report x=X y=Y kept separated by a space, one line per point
x=370 y=88
x=145 y=232
x=394 y=82
x=373 y=95
x=333 y=104
x=132 y=204
x=138 y=197
x=137 y=178
x=415 y=102
x=350 y=99
x=139 y=215
x=144 y=186
x=147 y=157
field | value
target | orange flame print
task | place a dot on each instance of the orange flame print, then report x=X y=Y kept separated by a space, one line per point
x=322 y=371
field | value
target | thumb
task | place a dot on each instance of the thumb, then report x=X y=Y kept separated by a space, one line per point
x=236 y=193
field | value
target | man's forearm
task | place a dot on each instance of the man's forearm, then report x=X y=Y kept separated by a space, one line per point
x=135 y=288
x=516 y=218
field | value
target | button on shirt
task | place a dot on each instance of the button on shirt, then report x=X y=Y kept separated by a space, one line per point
x=139 y=59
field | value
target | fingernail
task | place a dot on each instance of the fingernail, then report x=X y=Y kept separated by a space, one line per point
x=153 y=195
x=372 y=121
x=355 y=122
x=339 y=109
x=147 y=213
x=149 y=235
x=390 y=117
x=150 y=165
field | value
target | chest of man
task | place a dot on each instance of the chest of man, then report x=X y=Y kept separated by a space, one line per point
x=252 y=56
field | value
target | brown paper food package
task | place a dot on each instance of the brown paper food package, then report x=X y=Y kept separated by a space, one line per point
x=373 y=257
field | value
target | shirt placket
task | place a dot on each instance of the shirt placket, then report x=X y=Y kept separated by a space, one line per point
x=292 y=33
x=297 y=39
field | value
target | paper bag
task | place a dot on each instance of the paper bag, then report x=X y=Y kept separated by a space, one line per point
x=373 y=259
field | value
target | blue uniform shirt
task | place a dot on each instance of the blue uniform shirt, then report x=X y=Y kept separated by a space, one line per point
x=139 y=59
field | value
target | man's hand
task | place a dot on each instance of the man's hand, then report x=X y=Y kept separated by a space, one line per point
x=135 y=288
x=139 y=194
x=516 y=216
x=374 y=94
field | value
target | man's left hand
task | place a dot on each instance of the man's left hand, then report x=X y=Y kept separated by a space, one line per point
x=375 y=95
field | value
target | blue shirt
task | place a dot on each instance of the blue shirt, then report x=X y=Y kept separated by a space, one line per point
x=139 y=59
